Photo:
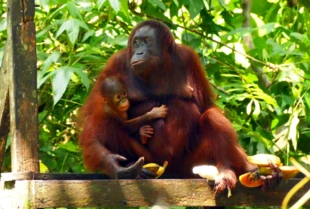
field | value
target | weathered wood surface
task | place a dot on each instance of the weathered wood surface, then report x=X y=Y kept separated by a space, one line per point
x=52 y=176
x=4 y=105
x=23 y=85
x=121 y=193
x=19 y=196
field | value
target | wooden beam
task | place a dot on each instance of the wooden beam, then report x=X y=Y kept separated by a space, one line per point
x=134 y=193
x=4 y=104
x=23 y=86
x=18 y=194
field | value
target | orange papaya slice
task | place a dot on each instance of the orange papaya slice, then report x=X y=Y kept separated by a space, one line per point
x=249 y=180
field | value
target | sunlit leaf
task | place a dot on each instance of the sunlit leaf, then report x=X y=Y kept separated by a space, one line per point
x=45 y=5
x=60 y=82
x=176 y=2
x=115 y=4
x=292 y=135
x=249 y=107
x=72 y=27
x=3 y=24
x=273 y=1
x=256 y=111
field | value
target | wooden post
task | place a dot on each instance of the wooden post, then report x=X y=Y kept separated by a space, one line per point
x=23 y=86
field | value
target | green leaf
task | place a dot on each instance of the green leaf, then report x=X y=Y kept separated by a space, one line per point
x=307 y=99
x=74 y=11
x=261 y=147
x=249 y=107
x=88 y=34
x=176 y=2
x=222 y=3
x=72 y=27
x=174 y=9
x=273 y=1
x=100 y=3
x=53 y=58
x=158 y=3
x=45 y=5
x=156 y=13
x=115 y=4
x=266 y=28
x=195 y=7
x=124 y=7
x=60 y=82
x=69 y=146
x=84 y=78
x=292 y=134
x=3 y=24
x=256 y=111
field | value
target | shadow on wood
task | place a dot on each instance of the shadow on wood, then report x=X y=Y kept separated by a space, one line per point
x=81 y=190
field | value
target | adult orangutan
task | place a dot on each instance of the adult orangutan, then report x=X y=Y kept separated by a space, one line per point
x=156 y=71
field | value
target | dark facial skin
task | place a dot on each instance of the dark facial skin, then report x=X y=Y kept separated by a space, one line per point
x=145 y=48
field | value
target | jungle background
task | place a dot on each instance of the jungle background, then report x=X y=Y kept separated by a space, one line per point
x=255 y=53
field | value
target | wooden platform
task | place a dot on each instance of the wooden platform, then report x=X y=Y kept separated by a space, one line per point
x=81 y=190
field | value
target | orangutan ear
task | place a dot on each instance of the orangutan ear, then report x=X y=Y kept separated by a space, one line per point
x=104 y=100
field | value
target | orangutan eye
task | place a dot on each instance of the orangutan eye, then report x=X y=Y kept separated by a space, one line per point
x=148 y=40
x=118 y=97
x=125 y=93
x=135 y=42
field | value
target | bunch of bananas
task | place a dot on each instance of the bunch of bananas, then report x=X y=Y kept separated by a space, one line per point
x=156 y=169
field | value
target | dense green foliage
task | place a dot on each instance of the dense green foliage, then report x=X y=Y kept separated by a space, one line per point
x=259 y=69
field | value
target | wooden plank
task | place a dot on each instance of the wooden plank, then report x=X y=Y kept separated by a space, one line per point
x=23 y=86
x=121 y=193
x=134 y=193
x=4 y=104
x=172 y=192
x=19 y=195
x=51 y=176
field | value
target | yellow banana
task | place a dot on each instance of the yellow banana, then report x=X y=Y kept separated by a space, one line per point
x=156 y=169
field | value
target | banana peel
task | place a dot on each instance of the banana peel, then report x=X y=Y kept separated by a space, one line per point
x=156 y=169
x=264 y=159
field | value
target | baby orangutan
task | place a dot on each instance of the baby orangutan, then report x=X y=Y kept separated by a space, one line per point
x=114 y=96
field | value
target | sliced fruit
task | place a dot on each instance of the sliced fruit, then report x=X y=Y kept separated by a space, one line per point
x=289 y=172
x=249 y=180
x=263 y=159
